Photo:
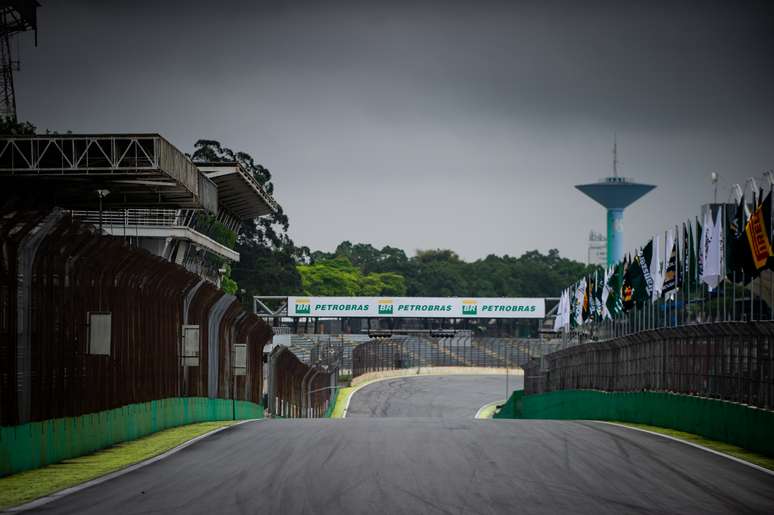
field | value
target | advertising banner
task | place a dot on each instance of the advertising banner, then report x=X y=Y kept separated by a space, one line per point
x=416 y=307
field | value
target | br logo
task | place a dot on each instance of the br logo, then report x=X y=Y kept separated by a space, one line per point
x=303 y=307
x=385 y=308
x=469 y=307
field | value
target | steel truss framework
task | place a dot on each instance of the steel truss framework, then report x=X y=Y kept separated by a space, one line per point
x=142 y=170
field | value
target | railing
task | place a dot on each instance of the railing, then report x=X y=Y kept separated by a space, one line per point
x=141 y=217
x=732 y=361
x=731 y=301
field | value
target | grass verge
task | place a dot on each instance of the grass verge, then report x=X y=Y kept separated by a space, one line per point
x=341 y=401
x=488 y=410
x=32 y=484
x=725 y=448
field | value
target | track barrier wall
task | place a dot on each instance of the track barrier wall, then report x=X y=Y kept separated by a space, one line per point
x=738 y=424
x=37 y=444
x=732 y=361
x=55 y=271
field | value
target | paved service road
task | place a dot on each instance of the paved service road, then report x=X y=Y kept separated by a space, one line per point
x=453 y=396
x=431 y=465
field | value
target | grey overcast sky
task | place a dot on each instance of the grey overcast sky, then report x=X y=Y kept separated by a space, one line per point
x=459 y=125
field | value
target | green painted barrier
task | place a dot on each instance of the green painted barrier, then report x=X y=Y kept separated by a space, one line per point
x=332 y=403
x=737 y=424
x=36 y=444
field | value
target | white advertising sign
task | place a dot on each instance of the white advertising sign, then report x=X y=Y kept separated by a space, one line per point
x=416 y=307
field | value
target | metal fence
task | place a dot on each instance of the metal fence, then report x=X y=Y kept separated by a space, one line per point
x=733 y=361
x=55 y=273
x=297 y=390
x=465 y=350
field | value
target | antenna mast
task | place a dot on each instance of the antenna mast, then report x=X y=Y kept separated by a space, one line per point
x=615 y=155
x=15 y=17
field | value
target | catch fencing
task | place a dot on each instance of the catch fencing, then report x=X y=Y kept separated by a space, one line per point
x=88 y=324
x=464 y=350
x=297 y=390
x=732 y=361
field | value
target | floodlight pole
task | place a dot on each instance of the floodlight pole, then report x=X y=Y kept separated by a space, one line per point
x=101 y=194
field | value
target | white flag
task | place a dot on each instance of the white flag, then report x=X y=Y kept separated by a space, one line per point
x=559 y=320
x=580 y=293
x=711 y=272
x=656 y=264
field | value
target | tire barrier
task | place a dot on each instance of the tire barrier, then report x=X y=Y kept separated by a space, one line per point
x=737 y=424
x=37 y=444
x=56 y=274
x=731 y=361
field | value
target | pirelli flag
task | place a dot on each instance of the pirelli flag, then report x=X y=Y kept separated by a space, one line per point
x=758 y=232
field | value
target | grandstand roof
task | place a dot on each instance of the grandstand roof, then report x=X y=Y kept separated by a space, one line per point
x=238 y=191
x=139 y=170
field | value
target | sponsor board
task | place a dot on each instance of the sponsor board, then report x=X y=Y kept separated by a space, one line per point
x=416 y=307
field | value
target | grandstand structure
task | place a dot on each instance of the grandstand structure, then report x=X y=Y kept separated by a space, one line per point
x=141 y=188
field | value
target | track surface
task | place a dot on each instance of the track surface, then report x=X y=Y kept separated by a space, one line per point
x=454 y=396
x=431 y=465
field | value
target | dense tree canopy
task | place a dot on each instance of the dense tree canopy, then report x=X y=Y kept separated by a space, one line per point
x=267 y=264
x=441 y=272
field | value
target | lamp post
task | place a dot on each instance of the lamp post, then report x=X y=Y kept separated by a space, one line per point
x=101 y=194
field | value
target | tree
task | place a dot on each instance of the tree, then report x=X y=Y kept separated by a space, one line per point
x=338 y=277
x=268 y=256
x=441 y=272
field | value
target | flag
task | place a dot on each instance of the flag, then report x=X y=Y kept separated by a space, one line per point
x=739 y=261
x=691 y=255
x=561 y=312
x=573 y=296
x=580 y=298
x=627 y=290
x=614 y=285
x=642 y=282
x=606 y=315
x=758 y=233
x=711 y=273
x=656 y=268
x=585 y=307
x=685 y=272
x=699 y=245
x=670 y=264
x=599 y=288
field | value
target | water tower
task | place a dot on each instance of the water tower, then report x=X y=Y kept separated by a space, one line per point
x=615 y=194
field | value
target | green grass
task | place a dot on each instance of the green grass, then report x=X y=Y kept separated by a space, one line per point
x=725 y=448
x=489 y=410
x=341 y=401
x=32 y=484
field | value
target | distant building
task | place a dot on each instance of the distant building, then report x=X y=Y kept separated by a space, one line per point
x=597 y=253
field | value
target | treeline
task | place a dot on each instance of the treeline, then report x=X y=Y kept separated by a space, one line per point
x=362 y=269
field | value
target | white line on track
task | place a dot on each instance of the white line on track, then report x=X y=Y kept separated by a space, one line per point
x=107 y=477
x=718 y=453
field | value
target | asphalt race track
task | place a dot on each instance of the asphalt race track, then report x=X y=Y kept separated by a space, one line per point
x=431 y=465
x=430 y=396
